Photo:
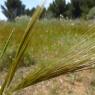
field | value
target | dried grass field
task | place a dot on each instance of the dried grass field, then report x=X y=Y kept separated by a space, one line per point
x=52 y=41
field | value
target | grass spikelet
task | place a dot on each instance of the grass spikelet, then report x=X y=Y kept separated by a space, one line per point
x=22 y=48
x=48 y=72
x=74 y=61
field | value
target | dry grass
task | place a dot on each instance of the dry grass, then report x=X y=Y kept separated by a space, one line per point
x=79 y=83
x=62 y=45
x=21 y=49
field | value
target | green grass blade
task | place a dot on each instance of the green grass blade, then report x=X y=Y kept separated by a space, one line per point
x=23 y=45
x=22 y=48
x=7 y=43
x=4 y=49
x=29 y=27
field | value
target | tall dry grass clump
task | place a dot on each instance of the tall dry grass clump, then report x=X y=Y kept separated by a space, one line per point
x=79 y=57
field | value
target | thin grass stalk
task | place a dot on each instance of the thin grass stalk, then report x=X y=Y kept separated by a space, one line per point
x=11 y=71
x=21 y=48
x=23 y=45
x=29 y=27
x=7 y=43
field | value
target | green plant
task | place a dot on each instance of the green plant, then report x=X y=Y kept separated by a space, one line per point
x=91 y=14
x=79 y=57
x=21 y=49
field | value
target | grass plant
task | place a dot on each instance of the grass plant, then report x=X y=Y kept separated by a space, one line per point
x=69 y=56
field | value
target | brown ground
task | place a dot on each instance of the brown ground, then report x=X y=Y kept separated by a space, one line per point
x=80 y=83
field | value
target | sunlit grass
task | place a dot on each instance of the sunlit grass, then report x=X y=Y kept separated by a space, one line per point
x=50 y=40
x=25 y=39
x=59 y=47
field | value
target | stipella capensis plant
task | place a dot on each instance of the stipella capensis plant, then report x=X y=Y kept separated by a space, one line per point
x=73 y=61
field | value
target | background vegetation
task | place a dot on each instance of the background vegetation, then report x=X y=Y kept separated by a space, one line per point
x=49 y=45
x=57 y=9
